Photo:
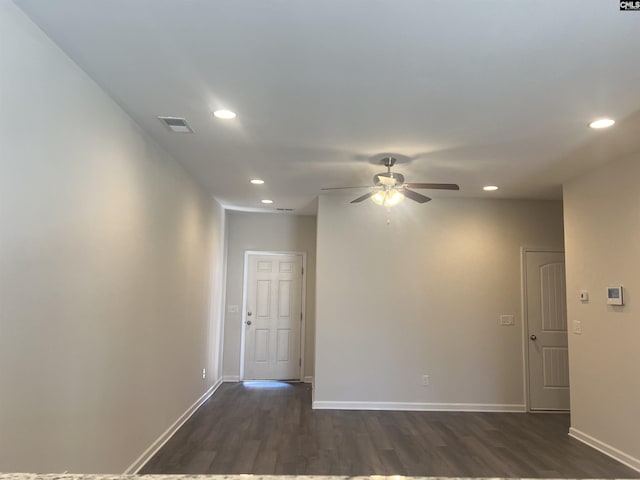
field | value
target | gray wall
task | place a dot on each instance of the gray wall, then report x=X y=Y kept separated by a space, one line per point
x=423 y=296
x=108 y=256
x=602 y=224
x=267 y=232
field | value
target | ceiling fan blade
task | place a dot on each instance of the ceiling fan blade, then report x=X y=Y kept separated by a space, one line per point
x=418 y=197
x=345 y=188
x=365 y=196
x=435 y=186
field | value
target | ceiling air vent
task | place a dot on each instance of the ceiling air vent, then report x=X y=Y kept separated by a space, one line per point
x=177 y=125
x=285 y=209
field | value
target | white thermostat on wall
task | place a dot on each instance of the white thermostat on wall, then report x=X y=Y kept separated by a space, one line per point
x=614 y=295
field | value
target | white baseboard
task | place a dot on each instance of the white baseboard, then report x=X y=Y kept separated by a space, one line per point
x=236 y=378
x=426 y=407
x=612 y=452
x=136 y=466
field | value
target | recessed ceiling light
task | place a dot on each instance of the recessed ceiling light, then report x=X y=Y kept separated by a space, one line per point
x=267 y=201
x=257 y=181
x=490 y=188
x=224 y=114
x=602 y=123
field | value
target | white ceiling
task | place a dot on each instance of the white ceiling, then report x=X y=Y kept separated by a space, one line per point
x=466 y=91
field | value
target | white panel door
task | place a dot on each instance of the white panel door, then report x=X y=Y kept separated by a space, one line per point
x=273 y=317
x=546 y=306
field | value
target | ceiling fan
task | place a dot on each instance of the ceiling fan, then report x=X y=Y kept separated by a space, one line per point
x=389 y=188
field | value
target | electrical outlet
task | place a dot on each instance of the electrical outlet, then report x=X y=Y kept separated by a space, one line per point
x=425 y=380
x=204 y=373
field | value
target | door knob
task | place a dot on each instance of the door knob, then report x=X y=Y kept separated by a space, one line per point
x=533 y=337
x=248 y=322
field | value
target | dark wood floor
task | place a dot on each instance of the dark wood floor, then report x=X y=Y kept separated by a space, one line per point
x=274 y=431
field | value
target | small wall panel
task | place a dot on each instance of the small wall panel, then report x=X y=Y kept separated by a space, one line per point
x=553 y=297
x=261 y=353
x=555 y=364
x=284 y=300
x=265 y=267
x=263 y=298
x=282 y=355
x=286 y=267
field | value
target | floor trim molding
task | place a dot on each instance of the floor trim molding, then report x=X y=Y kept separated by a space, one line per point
x=605 y=448
x=137 y=465
x=308 y=379
x=417 y=406
x=231 y=378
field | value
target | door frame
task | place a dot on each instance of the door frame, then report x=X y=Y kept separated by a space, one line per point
x=303 y=301
x=525 y=321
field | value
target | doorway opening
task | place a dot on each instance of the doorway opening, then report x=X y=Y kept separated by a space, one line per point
x=273 y=316
x=546 y=354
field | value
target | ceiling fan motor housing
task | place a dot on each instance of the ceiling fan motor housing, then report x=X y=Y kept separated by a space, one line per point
x=388 y=161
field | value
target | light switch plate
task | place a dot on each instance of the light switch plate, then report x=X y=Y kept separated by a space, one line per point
x=577 y=327
x=506 y=320
x=584 y=296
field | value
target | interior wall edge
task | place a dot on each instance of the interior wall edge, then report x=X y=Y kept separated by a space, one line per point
x=605 y=448
x=141 y=461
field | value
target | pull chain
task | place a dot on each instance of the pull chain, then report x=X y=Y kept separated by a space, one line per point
x=388 y=216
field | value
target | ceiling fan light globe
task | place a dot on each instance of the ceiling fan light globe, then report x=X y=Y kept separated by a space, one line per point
x=394 y=197
x=379 y=198
x=388 y=198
